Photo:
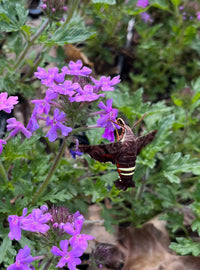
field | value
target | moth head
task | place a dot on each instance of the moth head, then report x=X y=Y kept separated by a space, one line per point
x=121 y=134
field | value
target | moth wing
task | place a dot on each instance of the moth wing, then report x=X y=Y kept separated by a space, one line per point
x=144 y=140
x=102 y=152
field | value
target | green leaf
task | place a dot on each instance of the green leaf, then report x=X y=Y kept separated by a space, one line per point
x=174 y=219
x=176 y=163
x=108 y=220
x=190 y=34
x=162 y=4
x=171 y=177
x=109 y=2
x=196 y=225
x=186 y=246
x=167 y=195
x=12 y=16
x=6 y=246
x=73 y=32
x=176 y=2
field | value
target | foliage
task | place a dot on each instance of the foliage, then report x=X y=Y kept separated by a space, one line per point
x=160 y=78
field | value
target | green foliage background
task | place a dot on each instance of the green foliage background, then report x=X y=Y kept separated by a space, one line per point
x=163 y=81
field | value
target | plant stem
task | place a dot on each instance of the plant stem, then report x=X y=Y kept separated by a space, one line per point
x=29 y=44
x=3 y=172
x=50 y=174
x=71 y=11
x=141 y=189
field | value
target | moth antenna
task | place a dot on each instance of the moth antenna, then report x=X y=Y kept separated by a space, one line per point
x=139 y=121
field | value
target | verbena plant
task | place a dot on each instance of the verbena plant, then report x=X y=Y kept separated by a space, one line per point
x=167 y=171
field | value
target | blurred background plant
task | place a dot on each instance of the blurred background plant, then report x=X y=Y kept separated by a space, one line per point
x=155 y=50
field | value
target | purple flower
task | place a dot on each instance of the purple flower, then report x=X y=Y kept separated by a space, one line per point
x=105 y=83
x=67 y=88
x=23 y=260
x=77 y=152
x=17 y=127
x=75 y=68
x=42 y=105
x=44 y=208
x=69 y=257
x=33 y=124
x=86 y=94
x=78 y=240
x=146 y=17
x=44 y=6
x=51 y=77
x=15 y=225
x=198 y=16
x=142 y=3
x=7 y=104
x=35 y=222
x=56 y=123
x=107 y=116
x=1 y=145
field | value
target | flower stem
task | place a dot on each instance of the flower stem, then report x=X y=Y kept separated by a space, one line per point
x=71 y=11
x=50 y=174
x=30 y=43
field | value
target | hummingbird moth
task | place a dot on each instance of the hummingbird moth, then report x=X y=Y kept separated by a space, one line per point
x=123 y=153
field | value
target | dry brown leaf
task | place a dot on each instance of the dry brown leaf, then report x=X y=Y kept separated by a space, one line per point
x=145 y=248
x=75 y=54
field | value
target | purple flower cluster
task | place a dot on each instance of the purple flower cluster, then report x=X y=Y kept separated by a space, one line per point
x=53 y=9
x=58 y=221
x=189 y=14
x=80 y=88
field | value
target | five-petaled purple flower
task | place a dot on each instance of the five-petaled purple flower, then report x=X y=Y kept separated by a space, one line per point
x=67 y=88
x=15 y=224
x=7 y=104
x=86 y=94
x=107 y=116
x=75 y=68
x=142 y=3
x=17 y=127
x=51 y=77
x=105 y=83
x=23 y=260
x=57 y=123
x=78 y=240
x=68 y=257
x=35 y=222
